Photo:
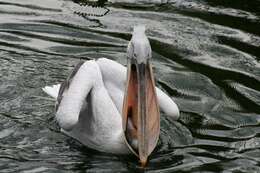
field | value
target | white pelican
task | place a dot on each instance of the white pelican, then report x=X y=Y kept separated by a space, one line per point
x=113 y=109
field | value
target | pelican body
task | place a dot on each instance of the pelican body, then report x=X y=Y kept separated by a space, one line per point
x=111 y=108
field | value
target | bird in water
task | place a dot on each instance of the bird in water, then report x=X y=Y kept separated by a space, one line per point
x=111 y=108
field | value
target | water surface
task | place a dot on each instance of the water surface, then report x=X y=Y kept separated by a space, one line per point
x=205 y=55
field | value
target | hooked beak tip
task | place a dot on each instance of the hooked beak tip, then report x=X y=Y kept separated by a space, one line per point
x=143 y=162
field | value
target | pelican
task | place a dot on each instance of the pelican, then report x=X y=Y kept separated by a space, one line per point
x=111 y=108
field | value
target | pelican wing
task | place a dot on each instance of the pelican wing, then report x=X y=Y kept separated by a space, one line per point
x=65 y=85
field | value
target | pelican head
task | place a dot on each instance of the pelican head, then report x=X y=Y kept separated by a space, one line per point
x=139 y=48
x=141 y=117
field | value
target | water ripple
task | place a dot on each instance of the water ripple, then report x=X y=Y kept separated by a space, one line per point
x=205 y=56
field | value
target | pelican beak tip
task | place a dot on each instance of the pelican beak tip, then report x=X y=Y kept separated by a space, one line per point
x=143 y=163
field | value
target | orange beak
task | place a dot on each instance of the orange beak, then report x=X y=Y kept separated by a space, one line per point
x=141 y=116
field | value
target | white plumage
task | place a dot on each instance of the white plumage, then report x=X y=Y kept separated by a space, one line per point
x=91 y=106
x=52 y=90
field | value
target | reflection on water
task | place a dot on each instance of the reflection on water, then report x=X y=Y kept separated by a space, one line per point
x=205 y=55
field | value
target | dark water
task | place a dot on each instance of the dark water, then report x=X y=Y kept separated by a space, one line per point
x=205 y=54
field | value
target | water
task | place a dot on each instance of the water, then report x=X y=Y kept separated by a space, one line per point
x=205 y=55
